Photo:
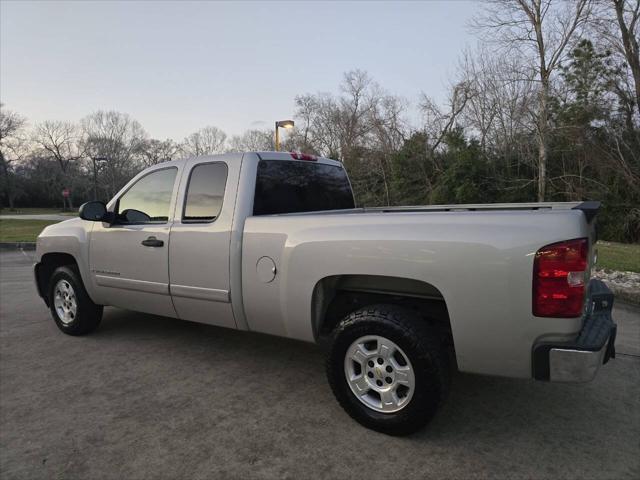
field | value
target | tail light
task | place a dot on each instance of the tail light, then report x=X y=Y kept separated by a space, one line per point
x=559 y=276
x=303 y=156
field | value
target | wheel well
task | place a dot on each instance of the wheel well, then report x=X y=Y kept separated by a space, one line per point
x=48 y=263
x=337 y=296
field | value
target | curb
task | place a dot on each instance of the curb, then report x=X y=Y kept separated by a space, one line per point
x=624 y=285
x=17 y=246
x=628 y=296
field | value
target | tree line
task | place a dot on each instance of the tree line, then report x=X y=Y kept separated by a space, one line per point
x=545 y=108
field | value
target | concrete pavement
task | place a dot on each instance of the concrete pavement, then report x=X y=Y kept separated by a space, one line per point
x=151 y=397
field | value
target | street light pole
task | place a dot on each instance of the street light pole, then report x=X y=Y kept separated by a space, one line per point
x=282 y=124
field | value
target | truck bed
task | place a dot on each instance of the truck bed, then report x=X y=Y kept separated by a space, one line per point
x=477 y=258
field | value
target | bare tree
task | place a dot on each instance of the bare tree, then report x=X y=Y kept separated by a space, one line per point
x=339 y=126
x=252 y=141
x=304 y=121
x=499 y=107
x=153 y=151
x=206 y=141
x=360 y=99
x=617 y=22
x=362 y=127
x=628 y=16
x=388 y=134
x=115 y=139
x=438 y=122
x=59 y=141
x=542 y=30
x=481 y=73
x=321 y=120
x=12 y=150
x=389 y=126
x=10 y=124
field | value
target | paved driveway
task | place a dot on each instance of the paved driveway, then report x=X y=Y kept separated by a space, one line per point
x=151 y=397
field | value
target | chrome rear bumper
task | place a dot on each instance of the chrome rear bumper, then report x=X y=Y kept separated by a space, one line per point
x=579 y=361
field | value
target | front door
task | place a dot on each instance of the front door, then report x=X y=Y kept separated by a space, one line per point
x=130 y=259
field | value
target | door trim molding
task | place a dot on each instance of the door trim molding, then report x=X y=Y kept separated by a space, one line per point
x=131 y=284
x=200 y=293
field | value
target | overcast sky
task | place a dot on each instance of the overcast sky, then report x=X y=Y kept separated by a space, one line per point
x=178 y=66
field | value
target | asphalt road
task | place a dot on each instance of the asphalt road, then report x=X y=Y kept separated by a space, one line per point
x=151 y=397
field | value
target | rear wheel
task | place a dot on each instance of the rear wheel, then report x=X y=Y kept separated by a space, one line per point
x=387 y=368
x=71 y=308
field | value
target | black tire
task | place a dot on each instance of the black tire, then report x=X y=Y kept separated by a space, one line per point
x=87 y=314
x=420 y=343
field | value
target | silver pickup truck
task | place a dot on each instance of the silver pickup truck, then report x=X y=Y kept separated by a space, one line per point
x=272 y=242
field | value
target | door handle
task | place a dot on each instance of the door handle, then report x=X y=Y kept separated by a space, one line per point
x=152 y=242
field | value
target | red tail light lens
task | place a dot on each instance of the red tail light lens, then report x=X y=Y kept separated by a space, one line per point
x=559 y=272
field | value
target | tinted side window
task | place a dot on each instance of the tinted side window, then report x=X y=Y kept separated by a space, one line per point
x=289 y=187
x=205 y=192
x=148 y=200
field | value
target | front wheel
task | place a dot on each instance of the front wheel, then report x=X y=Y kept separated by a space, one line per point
x=388 y=369
x=71 y=308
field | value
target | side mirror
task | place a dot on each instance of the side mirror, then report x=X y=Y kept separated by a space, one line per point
x=93 y=211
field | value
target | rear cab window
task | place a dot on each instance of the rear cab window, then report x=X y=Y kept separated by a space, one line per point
x=287 y=186
x=205 y=193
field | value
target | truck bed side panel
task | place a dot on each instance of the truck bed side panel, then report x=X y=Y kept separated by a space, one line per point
x=481 y=262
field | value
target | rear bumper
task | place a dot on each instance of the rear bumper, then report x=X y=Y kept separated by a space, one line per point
x=579 y=360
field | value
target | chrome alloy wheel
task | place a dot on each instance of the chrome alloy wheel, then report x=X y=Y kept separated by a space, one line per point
x=379 y=374
x=64 y=301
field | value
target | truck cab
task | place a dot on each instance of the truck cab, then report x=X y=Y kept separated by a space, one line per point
x=176 y=228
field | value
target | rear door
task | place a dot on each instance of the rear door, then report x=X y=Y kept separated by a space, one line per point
x=129 y=259
x=199 y=259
